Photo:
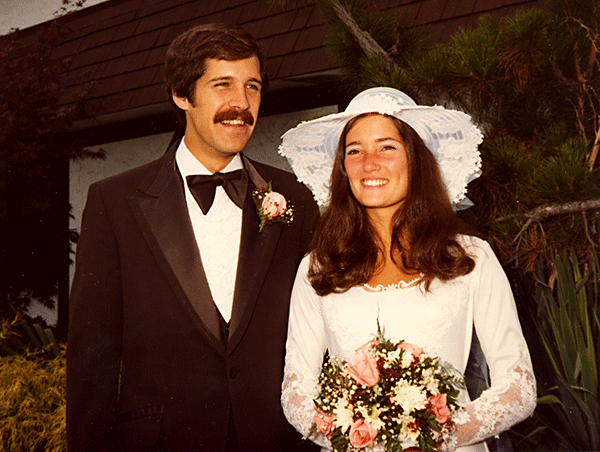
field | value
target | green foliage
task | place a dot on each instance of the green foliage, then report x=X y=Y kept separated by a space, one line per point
x=20 y=336
x=530 y=80
x=564 y=176
x=565 y=342
x=519 y=176
x=393 y=30
x=500 y=72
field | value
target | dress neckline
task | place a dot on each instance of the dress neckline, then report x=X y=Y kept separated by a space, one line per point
x=398 y=285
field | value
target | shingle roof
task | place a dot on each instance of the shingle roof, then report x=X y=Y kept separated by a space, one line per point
x=121 y=44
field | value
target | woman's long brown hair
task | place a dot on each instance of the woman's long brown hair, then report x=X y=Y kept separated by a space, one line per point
x=424 y=232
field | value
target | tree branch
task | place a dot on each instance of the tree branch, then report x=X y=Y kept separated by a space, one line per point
x=364 y=39
x=539 y=213
x=594 y=153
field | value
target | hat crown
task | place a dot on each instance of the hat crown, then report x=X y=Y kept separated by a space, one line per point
x=380 y=100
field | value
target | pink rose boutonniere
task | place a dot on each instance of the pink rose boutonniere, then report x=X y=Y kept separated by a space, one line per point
x=272 y=207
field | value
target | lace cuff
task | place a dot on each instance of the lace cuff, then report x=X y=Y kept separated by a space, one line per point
x=496 y=410
x=298 y=407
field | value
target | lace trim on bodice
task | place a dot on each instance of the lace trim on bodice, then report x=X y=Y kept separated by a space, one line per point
x=399 y=285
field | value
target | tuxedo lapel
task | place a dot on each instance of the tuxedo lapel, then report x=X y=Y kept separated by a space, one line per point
x=161 y=212
x=256 y=253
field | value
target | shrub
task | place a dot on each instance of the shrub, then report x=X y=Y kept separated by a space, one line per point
x=32 y=403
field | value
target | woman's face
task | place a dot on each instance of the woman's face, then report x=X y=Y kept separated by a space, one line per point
x=376 y=163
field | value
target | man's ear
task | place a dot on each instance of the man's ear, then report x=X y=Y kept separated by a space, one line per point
x=181 y=102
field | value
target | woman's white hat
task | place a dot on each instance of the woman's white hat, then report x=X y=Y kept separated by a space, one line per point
x=451 y=136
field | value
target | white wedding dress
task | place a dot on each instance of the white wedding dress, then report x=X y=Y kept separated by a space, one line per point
x=440 y=321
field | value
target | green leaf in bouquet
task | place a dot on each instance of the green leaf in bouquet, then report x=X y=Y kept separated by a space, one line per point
x=339 y=442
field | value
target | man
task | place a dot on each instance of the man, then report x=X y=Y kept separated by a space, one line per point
x=179 y=311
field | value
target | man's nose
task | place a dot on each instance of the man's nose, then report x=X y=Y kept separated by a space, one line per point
x=239 y=98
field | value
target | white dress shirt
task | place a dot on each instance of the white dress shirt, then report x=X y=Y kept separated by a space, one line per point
x=217 y=233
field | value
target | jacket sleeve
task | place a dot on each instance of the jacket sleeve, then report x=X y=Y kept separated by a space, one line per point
x=93 y=350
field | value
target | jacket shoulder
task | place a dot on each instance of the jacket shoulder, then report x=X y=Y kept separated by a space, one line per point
x=278 y=176
x=131 y=178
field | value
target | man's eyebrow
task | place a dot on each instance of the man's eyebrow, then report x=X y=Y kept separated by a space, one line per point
x=223 y=78
x=229 y=78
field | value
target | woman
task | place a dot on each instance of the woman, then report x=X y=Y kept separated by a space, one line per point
x=390 y=250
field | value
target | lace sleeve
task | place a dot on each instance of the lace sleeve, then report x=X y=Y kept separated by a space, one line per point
x=497 y=409
x=512 y=394
x=305 y=348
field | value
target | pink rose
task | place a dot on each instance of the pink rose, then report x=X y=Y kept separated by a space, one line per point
x=362 y=434
x=274 y=204
x=439 y=407
x=367 y=348
x=410 y=348
x=363 y=368
x=324 y=422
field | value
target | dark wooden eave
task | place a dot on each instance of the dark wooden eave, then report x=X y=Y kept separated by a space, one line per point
x=120 y=46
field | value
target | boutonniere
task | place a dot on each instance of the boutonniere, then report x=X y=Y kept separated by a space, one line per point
x=271 y=207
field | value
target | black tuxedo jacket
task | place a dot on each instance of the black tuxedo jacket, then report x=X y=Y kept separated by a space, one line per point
x=148 y=366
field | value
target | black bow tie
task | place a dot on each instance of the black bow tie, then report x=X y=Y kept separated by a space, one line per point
x=203 y=187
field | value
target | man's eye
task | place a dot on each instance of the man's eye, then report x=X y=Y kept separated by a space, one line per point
x=254 y=87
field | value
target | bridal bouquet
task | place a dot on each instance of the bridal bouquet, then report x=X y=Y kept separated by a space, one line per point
x=390 y=395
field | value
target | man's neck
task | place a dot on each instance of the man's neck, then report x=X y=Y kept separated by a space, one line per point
x=213 y=162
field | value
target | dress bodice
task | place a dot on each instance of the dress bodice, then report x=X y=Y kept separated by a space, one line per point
x=440 y=320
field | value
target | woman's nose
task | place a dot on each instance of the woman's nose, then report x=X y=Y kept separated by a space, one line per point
x=370 y=162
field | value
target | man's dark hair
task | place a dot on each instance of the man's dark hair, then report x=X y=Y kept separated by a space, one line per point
x=186 y=57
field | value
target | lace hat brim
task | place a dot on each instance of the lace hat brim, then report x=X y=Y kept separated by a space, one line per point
x=451 y=136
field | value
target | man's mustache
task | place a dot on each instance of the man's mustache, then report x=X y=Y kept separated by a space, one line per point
x=232 y=114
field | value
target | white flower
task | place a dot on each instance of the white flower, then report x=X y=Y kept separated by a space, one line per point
x=408 y=436
x=393 y=355
x=429 y=380
x=343 y=415
x=407 y=359
x=373 y=417
x=409 y=397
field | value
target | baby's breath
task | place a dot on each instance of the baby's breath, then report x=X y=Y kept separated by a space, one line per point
x=398 y=406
